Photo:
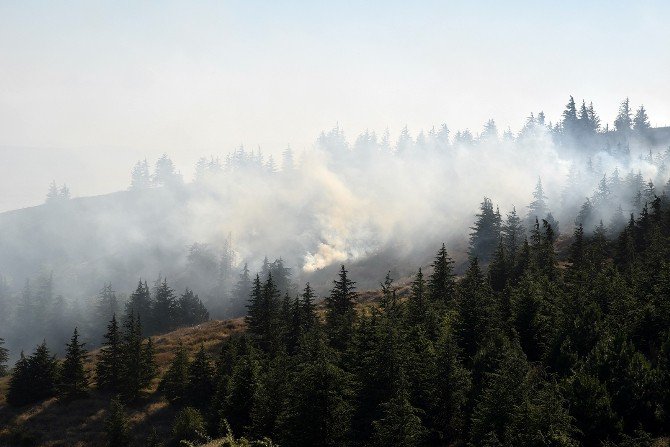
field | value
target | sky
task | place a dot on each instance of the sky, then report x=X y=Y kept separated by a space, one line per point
x=89 y=87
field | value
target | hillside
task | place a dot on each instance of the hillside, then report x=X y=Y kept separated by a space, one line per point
x=81 y=423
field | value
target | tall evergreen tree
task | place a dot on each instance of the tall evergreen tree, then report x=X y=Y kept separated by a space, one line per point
x=623 y=122
x=164 y=315
x=476 y=319
x=309 y=318
x=254 y=317
x=73 y=375
x=538 y=206
x=110 y=359
x=4 y=356
x=200 y=384
x=486 y=231
x=441 y=284
x=108 y=304
x=189 y=310
x=242 y=290
x=140 y=303
x=340 y=313
x=175 y=380
x=513 y=233
x=400 y=424
x=19 y=383
x=116 y=425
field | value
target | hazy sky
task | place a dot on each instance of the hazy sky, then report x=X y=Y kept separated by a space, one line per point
x=92 y=86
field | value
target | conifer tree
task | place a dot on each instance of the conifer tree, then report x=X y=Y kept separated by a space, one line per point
x=242 y=289
x=441 y=284
x=476 y=319
x=538 y=206
x=149 y=368
x=200 y=384
x=577 y=250
x=340 y=312
x=318 y=410
x=513 y=233
x=175 y=381
x=486 y=232
x=108 y=304
x=400 y=424
x=570 y=121
x=418 y=302
x=164 y=307
x=623 y=121
x=73 y=375
x=116 y=425
x=452 y=386
x=110 y=360
x=4 y=356
x=19 y=383
x=242 y=386
x=189 y=310
x=140 y=302
x=134 y=377
x=254 y=317
x=641 y=121
x=498 y=269
x=34 y=378
x=309 y=318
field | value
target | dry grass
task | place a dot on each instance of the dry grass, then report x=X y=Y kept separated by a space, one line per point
x=81 y=422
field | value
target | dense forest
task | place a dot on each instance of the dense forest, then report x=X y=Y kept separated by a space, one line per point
x=555 y=330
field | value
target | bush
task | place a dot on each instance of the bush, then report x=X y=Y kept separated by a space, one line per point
x=189 y=425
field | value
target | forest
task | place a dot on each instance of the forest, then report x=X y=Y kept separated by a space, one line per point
x=552 y=329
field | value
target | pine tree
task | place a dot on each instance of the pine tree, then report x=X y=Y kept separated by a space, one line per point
x=486 y=231
x=108 y=304
x=538 y=206
x=73 y=375
x=577 y=250
x=200 y=384
x=476 y=319
x=585 y=216
x=254 y=317
x=43 y=369
x=340 y=312
x=19 y=383
x=318 y=410
x=400 y=424
x=164 y=307
x=623 y=121
x=570 y=123
x=148 y=361
x=309 y=318
x=140 y=302
x=110 y=360
x=242 y=289
x=4 y=356
x=116 y=425
x=498 y=269
x=175 y=381
x=641 y=121
x=441 y=284
x=189 y=310
x=140 y=178
x=418 y=304
x=452 y=386
x=242 y=386
x=133 y=366
x=513 y=233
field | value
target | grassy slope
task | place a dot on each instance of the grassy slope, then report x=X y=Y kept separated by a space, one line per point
x=81 y=423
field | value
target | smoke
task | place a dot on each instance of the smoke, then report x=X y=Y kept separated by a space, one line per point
x=373 y=205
